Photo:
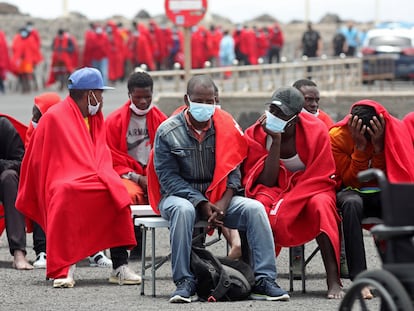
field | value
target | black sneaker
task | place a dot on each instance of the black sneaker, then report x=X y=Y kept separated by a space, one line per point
x=185 y=292
x=267 y=289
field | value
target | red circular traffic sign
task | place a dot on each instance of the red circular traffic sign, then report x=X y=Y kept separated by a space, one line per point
x=185 y=13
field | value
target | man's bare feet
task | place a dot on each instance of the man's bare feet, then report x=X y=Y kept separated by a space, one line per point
x=366 y=293
x=335 y=292
x=20 y=262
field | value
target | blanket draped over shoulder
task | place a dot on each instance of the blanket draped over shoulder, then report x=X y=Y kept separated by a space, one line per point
x=293 y=222
x=398 y=144
x=117 y=126
x=69 y=187
x=231 y=150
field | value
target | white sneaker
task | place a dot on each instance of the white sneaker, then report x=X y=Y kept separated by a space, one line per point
x=123 y=275
x=100 y=260
x=40 y=262
x=67 y=282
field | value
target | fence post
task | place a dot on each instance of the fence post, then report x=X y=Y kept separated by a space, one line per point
x=260 y=84
x=177 y=67
x=236 y=75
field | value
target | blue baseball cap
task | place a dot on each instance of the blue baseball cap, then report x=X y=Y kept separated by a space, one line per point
x=87 y=78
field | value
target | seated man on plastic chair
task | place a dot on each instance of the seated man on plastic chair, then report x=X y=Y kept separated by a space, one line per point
x=289 y=169
x=198 y=177
x=130 y=132
x=369 y=137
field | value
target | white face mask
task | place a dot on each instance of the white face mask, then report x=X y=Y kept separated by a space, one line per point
x=93 y=110
x=34 y=124
x=314 y=114
x=138 y=111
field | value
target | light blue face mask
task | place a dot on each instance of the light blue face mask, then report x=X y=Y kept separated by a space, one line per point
x=201 y=112
x=276 y=124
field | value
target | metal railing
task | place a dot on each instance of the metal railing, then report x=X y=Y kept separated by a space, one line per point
x=330 y=74
x=339 y=74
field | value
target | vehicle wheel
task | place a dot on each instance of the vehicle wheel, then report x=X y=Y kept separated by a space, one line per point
x=387 y=288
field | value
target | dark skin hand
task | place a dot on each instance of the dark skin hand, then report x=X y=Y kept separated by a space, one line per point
x=272 y=160
x=283 y=144
x=376 y=131
x=214 y=213
x=143 y=183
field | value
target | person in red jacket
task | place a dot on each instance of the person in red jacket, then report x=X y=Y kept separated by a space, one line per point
x=64 y=58
x=140 y=48
x=25 y=56
x=214 y=36
x=158 y=44
x=96 y=51
x=276 y=41
x=4 y=60
x=199 y=47
x=116 y=53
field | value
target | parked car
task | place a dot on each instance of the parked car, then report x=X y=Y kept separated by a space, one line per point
x=397 y=43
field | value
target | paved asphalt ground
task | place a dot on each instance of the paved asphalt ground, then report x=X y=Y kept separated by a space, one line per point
x=28 y=290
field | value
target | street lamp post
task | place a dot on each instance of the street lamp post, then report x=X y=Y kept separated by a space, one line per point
x=65 y=10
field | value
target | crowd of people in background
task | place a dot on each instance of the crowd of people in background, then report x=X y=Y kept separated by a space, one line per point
x=115 y=49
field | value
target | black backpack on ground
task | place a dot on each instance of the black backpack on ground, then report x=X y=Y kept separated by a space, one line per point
x=220 y=279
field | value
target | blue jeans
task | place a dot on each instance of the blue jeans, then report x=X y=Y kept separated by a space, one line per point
x=244 y=214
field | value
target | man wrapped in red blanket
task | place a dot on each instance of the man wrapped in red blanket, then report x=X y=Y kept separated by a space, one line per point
x=290 y=168
x=70 y=188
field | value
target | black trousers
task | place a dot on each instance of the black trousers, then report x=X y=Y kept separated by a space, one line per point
x=39 y=239
x=119 y=256
x=354 y=207
x=15 y=221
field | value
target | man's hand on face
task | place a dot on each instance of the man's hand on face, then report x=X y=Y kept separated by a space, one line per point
x=377 y=131
x=357 y=132
x=274 y=135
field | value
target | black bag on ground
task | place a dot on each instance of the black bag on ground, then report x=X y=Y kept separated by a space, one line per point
x=220 y=279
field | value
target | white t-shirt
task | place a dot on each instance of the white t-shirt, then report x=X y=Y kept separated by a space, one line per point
x=138 y=141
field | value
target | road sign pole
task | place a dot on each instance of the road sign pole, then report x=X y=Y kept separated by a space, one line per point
x=186 y=13
x=187 y=53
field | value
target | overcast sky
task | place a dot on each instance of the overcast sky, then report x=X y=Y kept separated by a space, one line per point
x=236 y=10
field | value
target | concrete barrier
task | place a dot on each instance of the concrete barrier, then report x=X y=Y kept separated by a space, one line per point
x=247 y=107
